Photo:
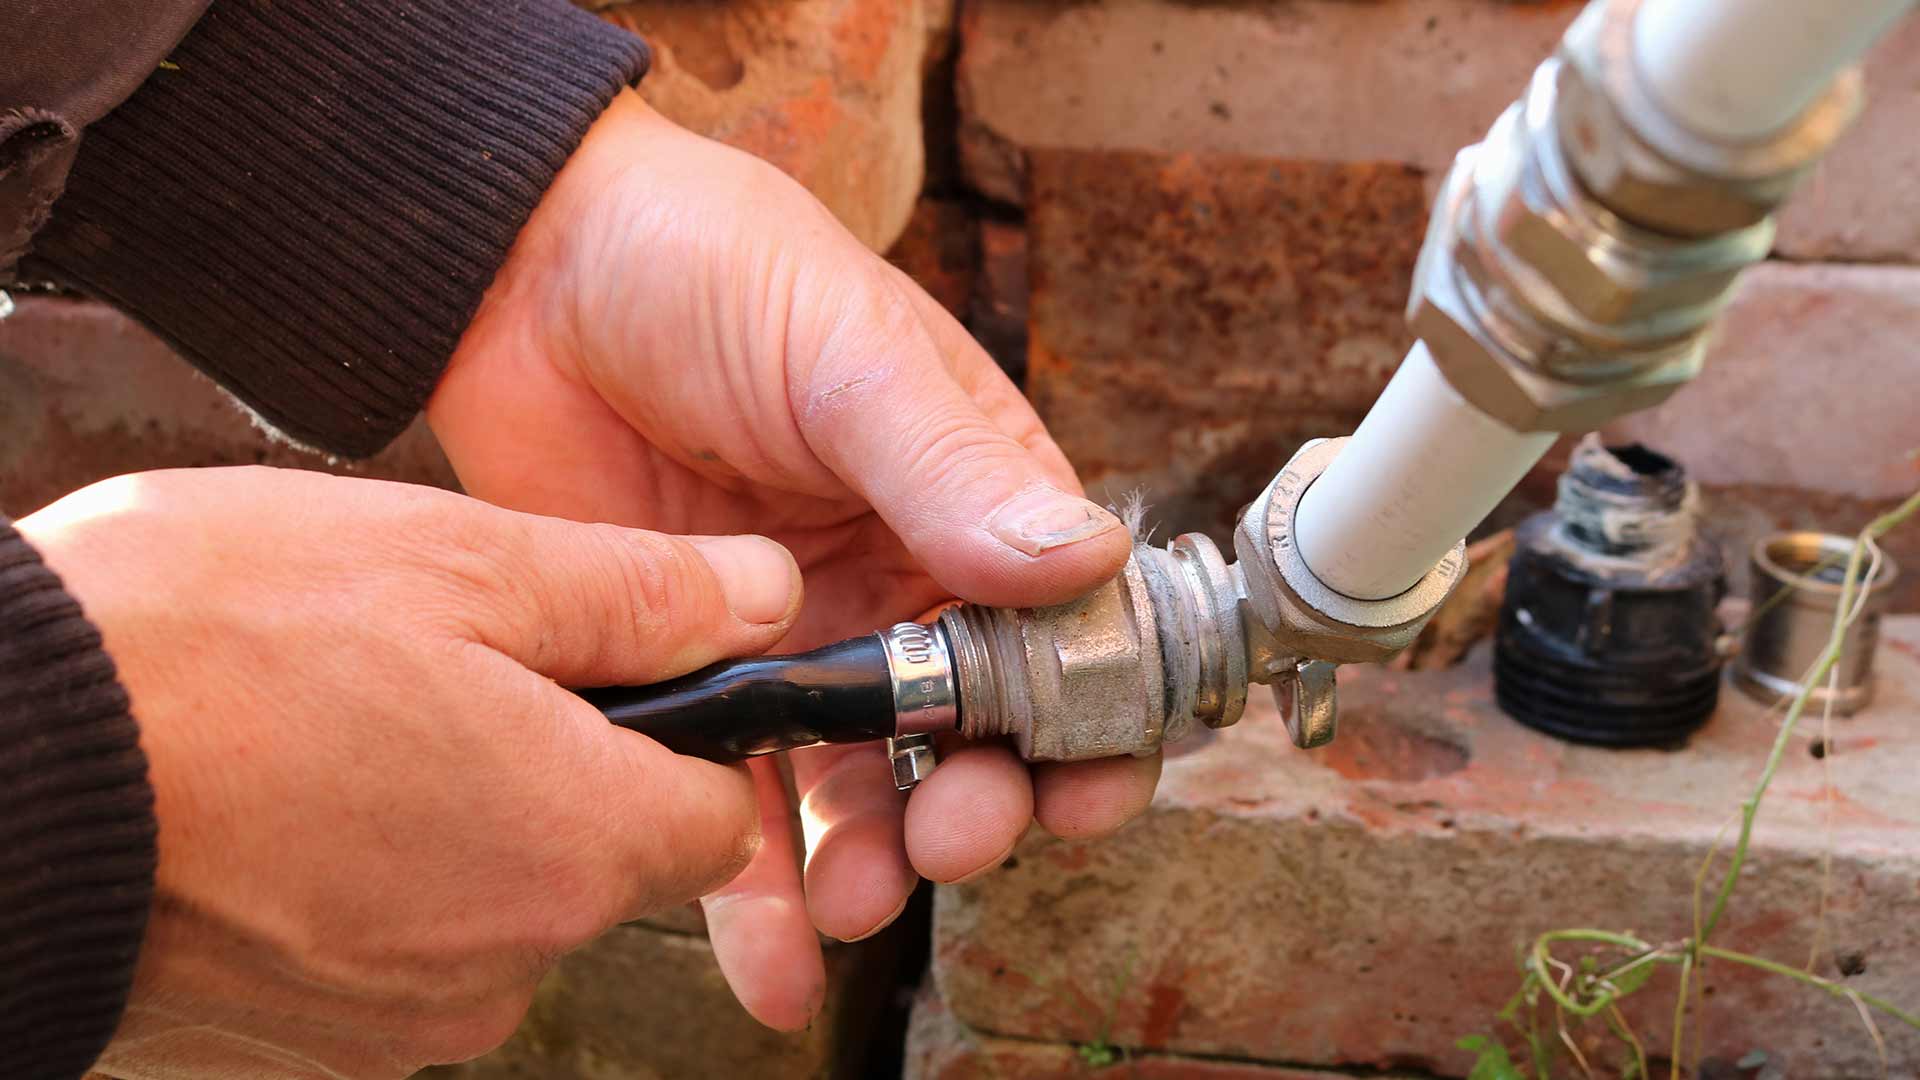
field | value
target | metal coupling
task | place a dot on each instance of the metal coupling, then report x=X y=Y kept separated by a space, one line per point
x=1578 y=254
x=1798 y=579
x=1299 y=629
x=1122 y=670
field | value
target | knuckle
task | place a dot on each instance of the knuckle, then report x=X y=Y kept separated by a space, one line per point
x=462 y=563
x=651 y=570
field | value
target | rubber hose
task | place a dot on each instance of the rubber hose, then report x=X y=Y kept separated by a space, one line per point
x=737 y=709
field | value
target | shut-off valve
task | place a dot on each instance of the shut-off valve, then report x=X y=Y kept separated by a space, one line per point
x=1575 y=261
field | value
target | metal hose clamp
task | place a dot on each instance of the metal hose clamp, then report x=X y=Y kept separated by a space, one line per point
x=925 y=698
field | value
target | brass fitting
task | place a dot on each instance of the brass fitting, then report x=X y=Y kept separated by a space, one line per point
x=1577 y=256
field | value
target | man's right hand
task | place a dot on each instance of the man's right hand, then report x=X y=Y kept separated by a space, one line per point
x=381 y=818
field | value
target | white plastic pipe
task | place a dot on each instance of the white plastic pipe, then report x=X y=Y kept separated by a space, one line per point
x=1423 y=469
x=1743 y=69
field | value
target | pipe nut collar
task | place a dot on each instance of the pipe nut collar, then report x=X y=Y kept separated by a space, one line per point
x=1305 y=618
x=1650 y=168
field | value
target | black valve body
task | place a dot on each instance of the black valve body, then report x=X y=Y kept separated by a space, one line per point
x=1610 y=643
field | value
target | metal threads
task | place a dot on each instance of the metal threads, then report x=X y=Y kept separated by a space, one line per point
x=1608 y=633
x=921 y=670
x=1122 y=670
x=1787 y=633
x=985 y=708
x=1205 y=587
x=1624 y=501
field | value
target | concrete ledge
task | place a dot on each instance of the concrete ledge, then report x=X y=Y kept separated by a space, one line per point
x=941 y=1048
x=641 y=1004
x=1366 y=905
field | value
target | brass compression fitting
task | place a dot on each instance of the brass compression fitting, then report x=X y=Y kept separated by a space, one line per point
x=1171 y=642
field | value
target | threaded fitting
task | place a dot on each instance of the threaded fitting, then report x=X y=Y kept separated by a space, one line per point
x=988 y=706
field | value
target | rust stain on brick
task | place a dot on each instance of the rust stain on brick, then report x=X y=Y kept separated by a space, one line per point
x=1196 y=317
x=1368 y=751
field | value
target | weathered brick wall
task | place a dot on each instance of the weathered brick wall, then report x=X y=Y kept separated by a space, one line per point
x=1365 y=906
x=1137 y=314
x=1188 y=226
x=1210 y=200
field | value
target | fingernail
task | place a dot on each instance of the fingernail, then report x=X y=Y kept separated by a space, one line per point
x=883 y=923
x=757 y=576
x=985 y=868
x=1041 y=519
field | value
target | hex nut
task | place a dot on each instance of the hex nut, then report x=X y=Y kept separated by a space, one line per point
x=1446 y=312
x=1654 y=171
x=1546 y=236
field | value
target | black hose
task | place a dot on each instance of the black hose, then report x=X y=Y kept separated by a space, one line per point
x=840 y=693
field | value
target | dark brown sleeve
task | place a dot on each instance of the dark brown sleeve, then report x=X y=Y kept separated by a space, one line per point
x=76 y=829
x=310 y=198
x=62 y=66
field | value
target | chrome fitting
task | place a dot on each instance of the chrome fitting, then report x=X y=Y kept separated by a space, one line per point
x=1297 y=628
x=1577 y=256
x=1650 y=168
x=1122 y=670
x=1298 y=617
x=1787 y=634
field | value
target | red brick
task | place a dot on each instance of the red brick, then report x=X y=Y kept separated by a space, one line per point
x=940 y=251
x=86 y=393
x=1409 y=81
x=1001 y=298
x=828 y=90
x=1196 y=317
x=1366 y=905
x=941 y=1048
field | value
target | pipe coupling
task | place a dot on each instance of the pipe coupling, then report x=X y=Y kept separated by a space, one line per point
x=1647 y=166
x=1298 y=630
x=1296 y=617
x=1122 y=670
x=1577 y=256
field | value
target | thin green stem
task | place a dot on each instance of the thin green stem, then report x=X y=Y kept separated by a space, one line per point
x=1618 y=1022
x=1831 y=987
x=1542 y=962
x=1828 y=657
x=1680 y=1015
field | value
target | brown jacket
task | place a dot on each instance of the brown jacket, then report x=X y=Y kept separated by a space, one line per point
x=306 y=199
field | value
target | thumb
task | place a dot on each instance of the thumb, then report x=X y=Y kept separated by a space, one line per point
x=598 y=605
x=986 y=503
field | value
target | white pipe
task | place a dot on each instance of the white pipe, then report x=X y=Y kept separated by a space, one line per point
x=1423 y=469
x=1743 y=69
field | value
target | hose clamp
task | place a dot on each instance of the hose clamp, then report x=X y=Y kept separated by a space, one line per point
x=924 y=689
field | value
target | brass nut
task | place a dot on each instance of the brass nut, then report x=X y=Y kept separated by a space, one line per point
x=1653 y=170
x=1544 y=235
x=1459 y=327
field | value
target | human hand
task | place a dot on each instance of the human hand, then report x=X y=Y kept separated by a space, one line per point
x=684 y=339
x=380 y=818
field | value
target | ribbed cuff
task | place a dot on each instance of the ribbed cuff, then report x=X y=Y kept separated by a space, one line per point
x=76 y=828
x=310 y=199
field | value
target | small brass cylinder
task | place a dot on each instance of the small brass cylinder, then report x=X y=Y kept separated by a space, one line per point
x=1796 y=591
